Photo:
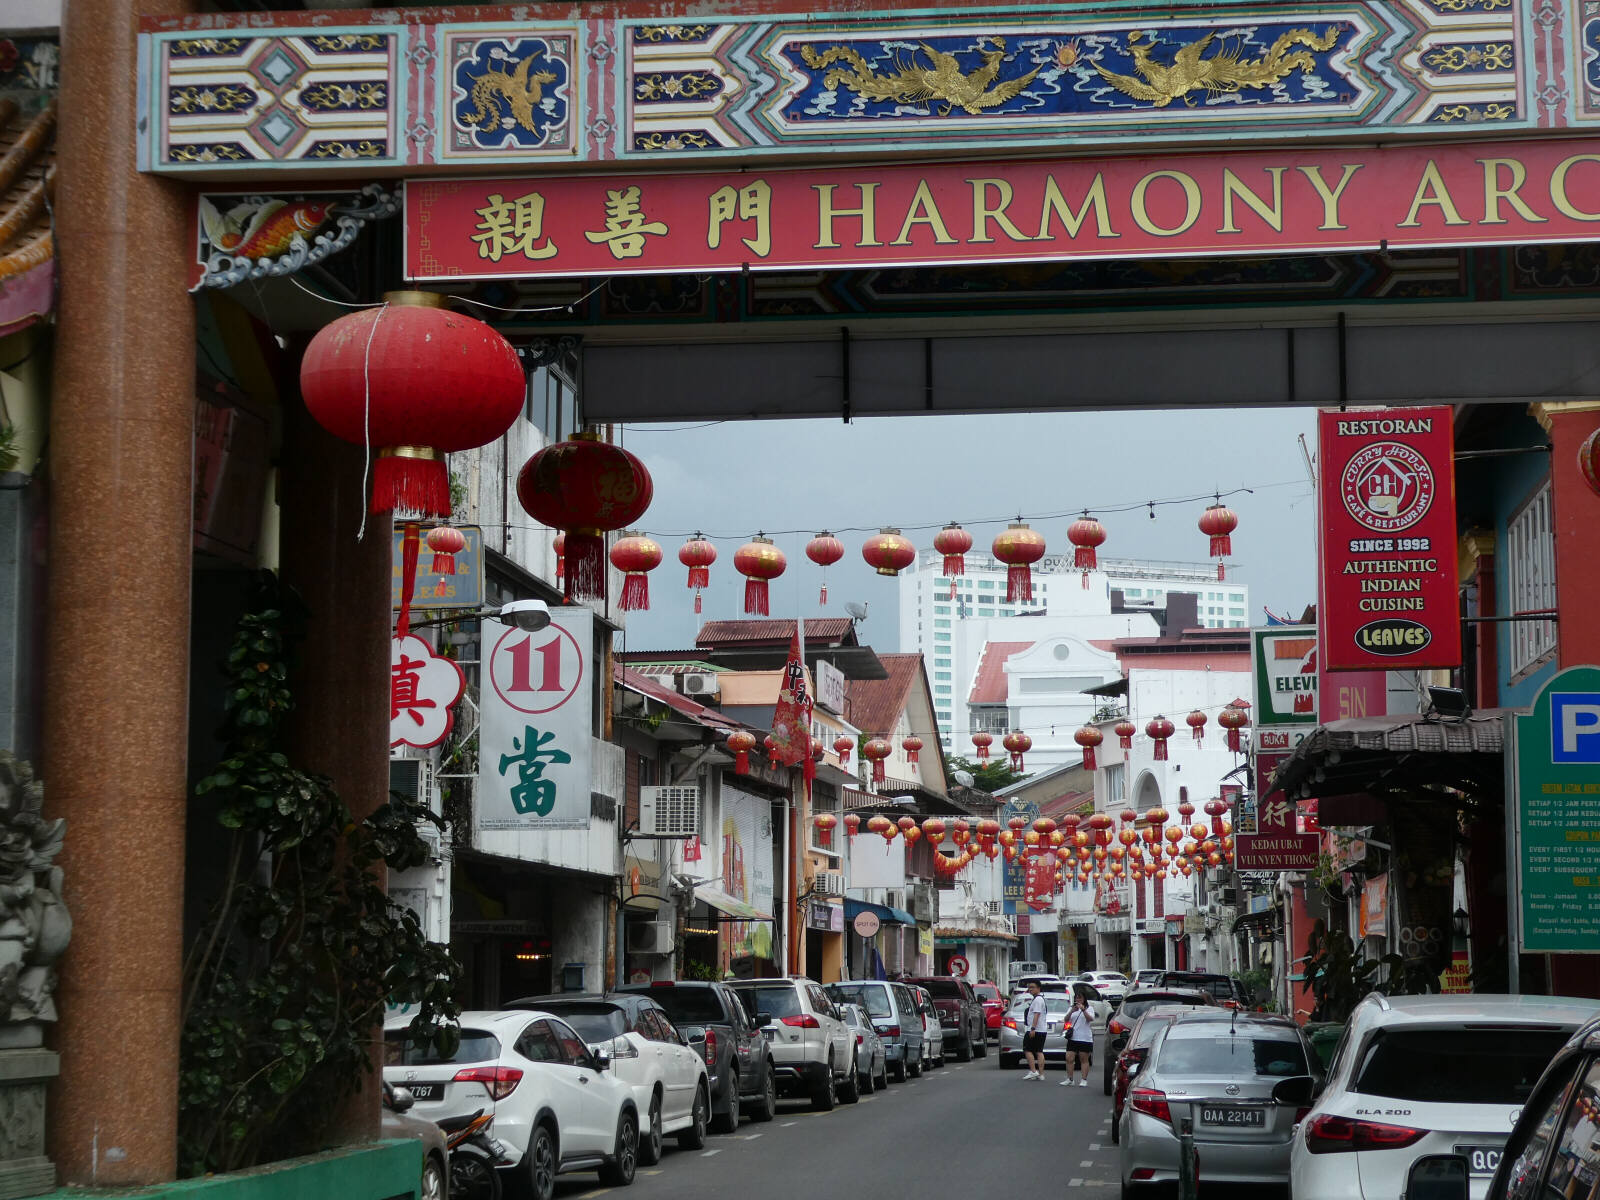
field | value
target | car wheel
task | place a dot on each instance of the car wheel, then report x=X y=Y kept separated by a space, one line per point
x=625 y=1155
x=767 y=1107
x=866 y=1082
x=900 y=1071
x=1105 y=1075
x=850 y=1086
x=964 y=1054
x=542 y=1163
x=694 y=1137
x=1116 y=1128
x=650 y=1140
x=431 y=1186
x=471 y=1178
x=728 y=1122
x=824 y=1095
x=883 y=1075
x=981 y=1048
x=915 y=1069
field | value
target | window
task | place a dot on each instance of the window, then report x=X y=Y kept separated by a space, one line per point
x=1277 y=1058
x=941 y=675
x=1456 y=1066
x=941 y=637
x=538 y=1043
x=942 y=689
x=986 y=584
x=476 y=1045
x=944 y=624
x=941 y=662
x=1530 y=580
x=986 y=612
x=1116 y=784
x=941 y=610
x=573 y=1050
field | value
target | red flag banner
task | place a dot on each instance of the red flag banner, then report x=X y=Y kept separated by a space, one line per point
x=791 y=719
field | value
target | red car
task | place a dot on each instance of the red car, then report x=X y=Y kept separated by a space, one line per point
x=994 y=1006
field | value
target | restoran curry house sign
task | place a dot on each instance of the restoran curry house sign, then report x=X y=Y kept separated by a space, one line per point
x=1251 y=202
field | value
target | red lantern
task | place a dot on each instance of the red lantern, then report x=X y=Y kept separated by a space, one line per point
x=1215 y=810
x=758 y=560
x=1160 y=729
x=1125 y=729
x=1044 y=825
x=1088 y=737
x=584 y=487
x=888 y=552
x=1101 y=824
x=741 y=742
x=881 y=826
x=960 y=832
x=842 y=745
x=983 y=741
x=1174 y=835
x=1018 y=743
x=1085 y=533
x=1016 y=824
x=412 y=380
x=560 y=547
x=824 y=550
x=1219 y=521
x=825 y=823
x=1196 y=721
x=698 y=554
x=875 y=751
x=988 y=829
x=771 y=748
x=1185 y=809
x=1019 y=547
x=635 y=555
x=953 y=542
x=446 y=541
x=908 y=829
x=933 y=829
x=852 y=824
x=1233 y=719
x=911 y=745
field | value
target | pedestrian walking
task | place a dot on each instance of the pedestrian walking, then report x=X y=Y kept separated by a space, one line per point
x=1080 y=1042
x=1033 y=1027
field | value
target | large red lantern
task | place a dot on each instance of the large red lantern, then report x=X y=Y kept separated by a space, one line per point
x=1125 y=729
x=1088 y=737
x=982 y=741
x=824 y=550
x=933 y=829
x=1219 y=521
x=1215 y=809
x=888 y=552
x=758 y=560
x=881 y=826
x=1233 y=719
x=960 y=832
x=585 y=487
x=842 y=745
x=698 y=554
x=1018 y=743
x=412 y=381
x=741 y=742
x=912 y=744
x=1196 y=721
x=1085 y=534
x=1160 y=729
x=446 y=541
x=825 y=823
x=1019 y=547
x=875 y=751
x=953 y=542
x=852 y=824
x=1100 y=823
x=635 y=555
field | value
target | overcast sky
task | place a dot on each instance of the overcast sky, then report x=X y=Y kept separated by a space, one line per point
x=792 y=478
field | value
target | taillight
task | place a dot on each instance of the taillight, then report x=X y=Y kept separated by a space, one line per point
x=858 y=1038
x=892 y=1031
x=499 y=1081
x=1150 y=1102
x=1329 y=1134
x=1009 y=1022
x=803 y=1021
x=711 y=1048
x=1116 y=1026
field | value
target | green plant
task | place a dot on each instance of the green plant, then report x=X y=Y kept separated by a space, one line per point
x=1256 y=984
x=701 y=971
x=289 y=975
x=1339 y=974
x=990 y=775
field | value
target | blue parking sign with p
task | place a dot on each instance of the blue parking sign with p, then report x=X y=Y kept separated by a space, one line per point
x=1575 y=727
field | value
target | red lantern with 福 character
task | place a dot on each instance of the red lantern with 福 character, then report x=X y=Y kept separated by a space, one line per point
x=912 y=745
x=1044 y=825
x=1196 y=721
x=1159 y=730
x=1215 y=809
x=1088 y=737
x=1233 y=719
x=1085 y=534
x=953 y=542
x=824 y=550
x=982 y=741
x=635 y=556
x=759 y=561
x=446 y=541
x=411 y=381
x=1017 y=744
x=1125 y=729
x=825 y=823
x=875 y=751
x=1019 y=548
x=842 y=745
x=888 y=553
x=988 y=829
x=584 y=487
x=1218 y=522
x=741 y=742
x=698 y=554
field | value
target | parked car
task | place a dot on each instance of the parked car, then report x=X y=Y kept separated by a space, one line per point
x=1135 y=1005
x=1112 y=985
x=893 y=1010
x=736 y=1053
x=669 y=1080
x=1223 y=988
x=557 y=1104
x=932 y=1029
x=1149 y=977
x=994 y=1007
x=1427 y=1075
x=961 y=1019
x=1130 y=1058
x=872 y=1065
x=1057 y=1005
x=813 y=1051
x=1222 y=1071
x=397 y=1122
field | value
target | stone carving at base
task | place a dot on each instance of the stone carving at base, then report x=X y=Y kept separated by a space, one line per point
x=34 y=923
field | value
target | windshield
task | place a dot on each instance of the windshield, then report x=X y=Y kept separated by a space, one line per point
x=872 y=997
x=1142 y=1005
x=943 y=989
x=1460 y=1066
x=690 y=1006
x=400 y=1050
x=1145 y=1032
x=1052 y=1004
x=1231 y=1055
x=780 y=1001
x=986 y=991
x=592 y=1024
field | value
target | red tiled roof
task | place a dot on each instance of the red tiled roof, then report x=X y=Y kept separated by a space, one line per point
x=832 y=630
x=990 y=685
x=874 y=705
x=692 y=709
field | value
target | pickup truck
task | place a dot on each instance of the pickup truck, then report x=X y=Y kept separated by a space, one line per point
x=960 y=1015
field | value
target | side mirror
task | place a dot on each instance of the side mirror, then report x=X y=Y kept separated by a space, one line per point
x=401 y=1099
x=1296 y=1090
x=1438 y=1177
x=763 y=1018
x=602 y=1059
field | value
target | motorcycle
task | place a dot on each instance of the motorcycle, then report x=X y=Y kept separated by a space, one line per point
x=474 y=1156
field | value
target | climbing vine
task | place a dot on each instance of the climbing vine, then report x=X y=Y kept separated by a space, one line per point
x=289 y=975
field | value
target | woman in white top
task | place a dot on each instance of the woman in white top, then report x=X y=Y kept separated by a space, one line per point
x=1080 y=1042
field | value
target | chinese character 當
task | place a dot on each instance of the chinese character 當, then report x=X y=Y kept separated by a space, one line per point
x=403 y=689
x=512 y=227
x=533 y=793
x=750 y=203
x=625 y=224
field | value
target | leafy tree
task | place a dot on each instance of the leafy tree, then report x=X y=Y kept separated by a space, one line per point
x=991 y=775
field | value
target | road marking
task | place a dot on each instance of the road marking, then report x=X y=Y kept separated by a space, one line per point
x=1094 y=1145
x=786 y=1124
x=1088 y=1162
x=596 y=1192
x=655 y=1171
x=1074 y=1183
x=703 y=1154
x=748 y=1137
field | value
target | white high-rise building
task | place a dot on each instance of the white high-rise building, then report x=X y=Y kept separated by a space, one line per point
x=953 y=632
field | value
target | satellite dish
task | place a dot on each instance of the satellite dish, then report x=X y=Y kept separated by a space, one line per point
x=964 y=778
x=858 y=612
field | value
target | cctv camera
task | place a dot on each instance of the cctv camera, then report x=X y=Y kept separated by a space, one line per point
x=529 y=615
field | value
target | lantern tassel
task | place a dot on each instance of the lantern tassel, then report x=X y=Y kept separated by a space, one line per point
x=635 y=592
x=823 y=601
x=1221 y=545
x=1222 y=573
x=1019 y=583
x=808 y=771
x=409 y=546
x=1233 y=740
x=1088 y=758
x=697 y=601
x=411 y=487
x=877 y=770
x=444 y=563
x=1083 y=558
x=755 y=597
x=586 y=567
x=1161 y=749
x=741 y=762
x=699 y=577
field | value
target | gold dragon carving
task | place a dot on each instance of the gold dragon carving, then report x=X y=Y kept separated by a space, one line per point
x=1225 y=71
x=972 y=92
x=520 y=90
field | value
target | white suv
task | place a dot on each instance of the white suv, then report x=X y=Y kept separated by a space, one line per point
x=813 y=1050
x=1112 y=985
x=1416 y=1075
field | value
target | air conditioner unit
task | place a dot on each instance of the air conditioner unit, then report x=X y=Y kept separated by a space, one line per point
x=413 y=779
x=699 y=683
x=653 y=937
x=669 y=810
x=830 y=883
x=994 y=907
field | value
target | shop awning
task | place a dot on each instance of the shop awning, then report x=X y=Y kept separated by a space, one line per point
x=729 y=906
x=889 y=916
x=1364 y=754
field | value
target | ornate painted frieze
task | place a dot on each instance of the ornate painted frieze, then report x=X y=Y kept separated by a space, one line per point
x=1587 y=40
x=247 y=237
x=507 y=92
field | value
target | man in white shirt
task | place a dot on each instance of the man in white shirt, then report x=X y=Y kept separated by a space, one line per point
x=1033 y=1032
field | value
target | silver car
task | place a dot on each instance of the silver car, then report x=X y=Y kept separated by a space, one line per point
x=872 y=1062
x=1218 y=1071
x=893 y=1010
x=1057 y=1006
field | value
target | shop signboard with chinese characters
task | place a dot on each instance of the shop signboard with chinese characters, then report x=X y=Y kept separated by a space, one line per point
x=1284 y=200
x=1283 y=664
x=1014 y=873
x=1553 y=781
x=423 y=690
x=1387 y=519
x=462 y=588
x=1278 y=845
x=536 y=722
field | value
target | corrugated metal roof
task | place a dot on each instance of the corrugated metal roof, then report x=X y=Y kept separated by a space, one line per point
x=874 y=705
x=832 y=630
x=989 y=687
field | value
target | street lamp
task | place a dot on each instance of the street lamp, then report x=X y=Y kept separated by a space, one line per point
x=530 y=616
